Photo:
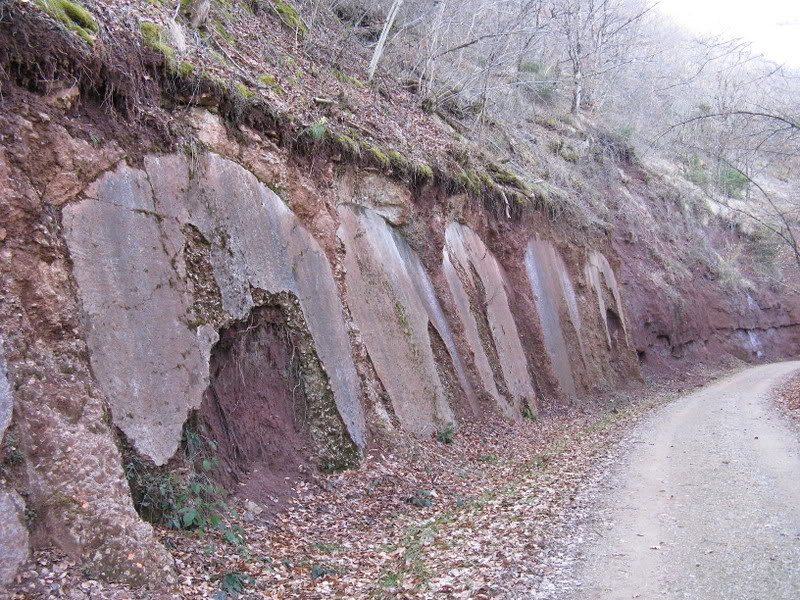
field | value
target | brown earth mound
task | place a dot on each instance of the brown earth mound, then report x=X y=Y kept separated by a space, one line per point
x=254 y=408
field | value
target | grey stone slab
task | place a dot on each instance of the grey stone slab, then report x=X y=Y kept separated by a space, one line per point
x=552 y=292
x=392 y=302
x=126 y=242
x=464 y=310
x=470 y=259
x=258 y=242
x=598 y=273
x=146 y=359
x=6 y=400
x=14 y=545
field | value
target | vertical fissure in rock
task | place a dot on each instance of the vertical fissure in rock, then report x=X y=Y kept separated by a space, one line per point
x=446 y=371
x=479 y=305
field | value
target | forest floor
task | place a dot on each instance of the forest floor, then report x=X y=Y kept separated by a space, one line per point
x=699 y=500
x=471 y=518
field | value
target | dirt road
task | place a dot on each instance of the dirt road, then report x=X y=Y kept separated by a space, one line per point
x=704 y=504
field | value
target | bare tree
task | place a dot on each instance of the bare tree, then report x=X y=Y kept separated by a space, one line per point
x=387 y=26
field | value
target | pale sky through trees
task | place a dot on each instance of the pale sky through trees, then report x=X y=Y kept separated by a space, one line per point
x=772 y=25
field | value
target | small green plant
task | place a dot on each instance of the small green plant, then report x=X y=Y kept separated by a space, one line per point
x=316 y=131
x=181 y=499
x=627 y=132
x=12 y=455
x=328 y=548
x=320 y=571
x=732 y=182
x=445 y=435
x=421 y=498
x=73 y=15
x=528 y=413
x=389 y=580
x=488 y=458
x=232 y=584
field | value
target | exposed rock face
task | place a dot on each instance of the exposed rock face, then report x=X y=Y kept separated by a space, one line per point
x=557 y=308
x=477 y=283
x=13 y=532
x=150 y=364
x=13 y=535
x=153 y=313
x=601 y=278
x=6 y=401
x=124 y=306
x=392 y=302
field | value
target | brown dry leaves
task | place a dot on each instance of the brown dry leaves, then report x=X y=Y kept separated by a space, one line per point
x=788 y=396
x=494 y=494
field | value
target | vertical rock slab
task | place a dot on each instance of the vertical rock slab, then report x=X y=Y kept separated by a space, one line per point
x=477 y=282
x=6 y=401
x=392 y=302
x=149 y=350
x=14 y=546
x=554 y=295
x=145 y=357
x=13 y=535
x=600 y=276
x=259 y=243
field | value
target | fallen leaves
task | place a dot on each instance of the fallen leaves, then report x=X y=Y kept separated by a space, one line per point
x=458 y=520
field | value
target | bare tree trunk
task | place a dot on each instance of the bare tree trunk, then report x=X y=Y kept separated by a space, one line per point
x=387 y=26
x=577 y=80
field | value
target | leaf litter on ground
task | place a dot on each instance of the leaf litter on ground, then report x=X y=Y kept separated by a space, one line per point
x=458 y=520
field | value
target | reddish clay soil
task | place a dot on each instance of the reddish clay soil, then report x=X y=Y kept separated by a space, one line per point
x=253 y=409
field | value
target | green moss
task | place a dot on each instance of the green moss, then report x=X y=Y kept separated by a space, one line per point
x=569 y=155
x=347 y=144
x=345 y=78
x=155 y=38
x=486 y=179
x=519 y=199
x=398 y=161
x=506 y=177
x=379 y=157
x=223 y=33
x=243 y=91
x=469 y=181
x=73 y=16
x=421 y=172
x=542 y=194
x=185 y=69
x=290 y=17
x=267 y=79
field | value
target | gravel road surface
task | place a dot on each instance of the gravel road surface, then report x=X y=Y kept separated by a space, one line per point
x=701 y=502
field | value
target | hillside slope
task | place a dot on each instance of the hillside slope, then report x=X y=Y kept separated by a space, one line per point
x=231 y=262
